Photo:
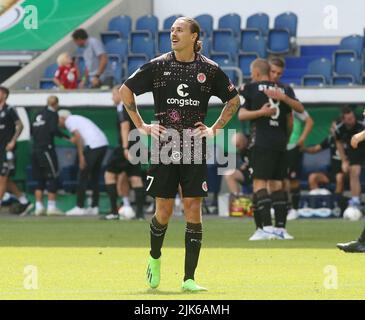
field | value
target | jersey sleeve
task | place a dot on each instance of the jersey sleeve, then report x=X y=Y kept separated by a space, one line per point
x=222 y=87
x=141 y=80
x=290 y=93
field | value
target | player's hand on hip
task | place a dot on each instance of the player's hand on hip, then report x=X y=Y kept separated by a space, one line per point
x=154 y=129
x=202 y=130
x=267 y=110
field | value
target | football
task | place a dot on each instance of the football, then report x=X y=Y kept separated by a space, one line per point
x=352 y=213
x=126 y=213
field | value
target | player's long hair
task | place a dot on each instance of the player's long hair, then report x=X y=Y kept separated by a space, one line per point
x=194 y=28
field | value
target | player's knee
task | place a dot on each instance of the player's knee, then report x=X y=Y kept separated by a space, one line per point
x=136 y=182
x=109 y=177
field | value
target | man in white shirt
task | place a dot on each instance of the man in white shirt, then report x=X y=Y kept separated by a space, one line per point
x=91 y=145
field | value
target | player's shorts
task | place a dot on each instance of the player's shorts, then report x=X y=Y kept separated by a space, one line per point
x=268 y=164
x=117 y=163
x=356 y=156
x=294 y=158
x=6 y=169
x=163 y=180
x=44 y=164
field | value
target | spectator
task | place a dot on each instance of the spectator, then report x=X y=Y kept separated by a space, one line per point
x=91 y=145
x=97 y=72
x=67 y=74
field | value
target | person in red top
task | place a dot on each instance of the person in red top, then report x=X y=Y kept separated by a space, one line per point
x=67 y=74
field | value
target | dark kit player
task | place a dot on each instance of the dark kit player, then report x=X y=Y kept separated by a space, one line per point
x=118 y=163
x=10 y=129
x=182 y=81
x=270 y=128
x=44 y=158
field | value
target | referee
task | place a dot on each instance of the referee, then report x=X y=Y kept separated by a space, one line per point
x=44 y=158
x=182 y=81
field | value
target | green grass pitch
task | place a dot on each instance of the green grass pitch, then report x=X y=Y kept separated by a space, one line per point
x=86 y=258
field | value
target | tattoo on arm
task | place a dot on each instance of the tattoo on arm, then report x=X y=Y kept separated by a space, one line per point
x=131 y=107
x=231 y=108
x=18 y=129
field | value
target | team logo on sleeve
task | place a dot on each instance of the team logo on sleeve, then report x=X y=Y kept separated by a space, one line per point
x=201 y=77
x=205 y=186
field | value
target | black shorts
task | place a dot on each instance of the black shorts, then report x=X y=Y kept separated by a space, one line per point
x=44 y=164
x=294 y=158
x=163 y=180
x=6 y=169
x=268 y=164
x=356 y=156
x=117 y=163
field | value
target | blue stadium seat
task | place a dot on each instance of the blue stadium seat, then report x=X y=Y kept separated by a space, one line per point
x=313 y=81
x=206 y=24
x=142 y=42
x=47 y=84
x=287 y=21
x=121 y=24
x=348 y=66
x=231 y=72
x=224 y=41
x=345 y=80
x=169 y=21
x=249 y=35
x=320 y=67
x=118 y=27
x=115 y=64
x=259 y=21
x=257 y=45
x=148 y=22
x=317 y=162
x=135 y=61
x=278 y=41
x=353 y=42
x=50 y=70
x=231 y=21
x=244 y=63
x=163 y=42
x=119 y=47
x=223 y=59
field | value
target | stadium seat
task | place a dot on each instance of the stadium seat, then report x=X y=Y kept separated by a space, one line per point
x=231 y=21
x=118 y=27
x=244 y=63
x=313 y=81
x=163 y=42
x=147 y=22
x=169 y=21
x=353 y=42
x=142 y=42
x=118 y=47
x=344 y=80
x=121 y=24
x=47 y=84
x=257 y=45
x=320 y=68
x=224 y=41
x=317 y=162
x=206 y=24
x=50 y=71
x=206 y=46
x=248 y=36
x=135 y=61
x=349 y=66
x=234 y=74
x=259 y=21
x=287 y=21
x=278 y=41
x=115 y=64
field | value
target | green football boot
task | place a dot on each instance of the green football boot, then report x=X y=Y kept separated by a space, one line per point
x=191 y=286
x=153 y=272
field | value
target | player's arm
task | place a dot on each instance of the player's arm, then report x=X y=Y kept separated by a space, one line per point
x=227 y=113
x=343 y=157
x=357 y=138
x=289 y=122
x=288 y=99
x=18 y=130
x=130 y=104
x=77 y=140
x=307 y=129
x=246 y=115
x=124 y=132
x=103 y=61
